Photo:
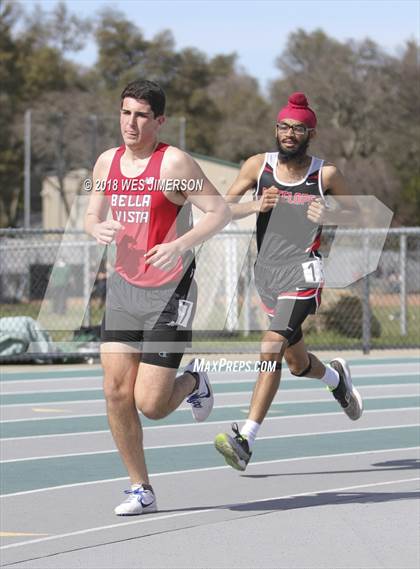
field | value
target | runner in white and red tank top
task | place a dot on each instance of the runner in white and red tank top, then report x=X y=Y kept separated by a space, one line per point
x=151 y=296
x=290 y=188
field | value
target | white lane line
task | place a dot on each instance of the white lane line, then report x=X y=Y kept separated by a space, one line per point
x=203 y=424
x=201 y=443
x=55 y=379
x=415 y=387
x=194 y=470
x=214 y=382
x=75 y=390
x=151 y=519
x=292 y=402
x=67 y=401
x=48 y=410
x=19 y=534
x=51 y=418
x=51 y=379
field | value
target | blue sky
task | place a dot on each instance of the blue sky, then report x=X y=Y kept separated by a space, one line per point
x=257 y=31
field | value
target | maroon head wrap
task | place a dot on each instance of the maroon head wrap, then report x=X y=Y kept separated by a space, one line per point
x=297 y=108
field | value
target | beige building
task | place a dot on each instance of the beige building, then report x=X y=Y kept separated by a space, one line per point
x=54 y=214
x=220 y=173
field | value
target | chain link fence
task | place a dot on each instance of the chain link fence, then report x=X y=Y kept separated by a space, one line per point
x=53 y=286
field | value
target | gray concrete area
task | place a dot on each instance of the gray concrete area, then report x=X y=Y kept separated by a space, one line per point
x=288 y=539
x=315 y=513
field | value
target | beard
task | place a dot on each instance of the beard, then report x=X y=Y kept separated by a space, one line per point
x=287 y=155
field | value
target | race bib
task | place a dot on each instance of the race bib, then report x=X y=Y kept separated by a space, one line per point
x=184 y=312
x=313 y=271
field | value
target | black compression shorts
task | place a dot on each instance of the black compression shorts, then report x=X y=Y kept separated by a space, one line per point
x=286 y=299
x=154 y=321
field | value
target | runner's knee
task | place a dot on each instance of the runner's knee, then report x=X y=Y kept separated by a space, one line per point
x=154 y=410
x=300 y=368
x=273 y=347
x=117 y=389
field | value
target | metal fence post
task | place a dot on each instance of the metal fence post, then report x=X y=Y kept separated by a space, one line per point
x=231 y=282
x=86 y=288
x=366 y=316
x=94 y=135
x=27 y=172
x=247 y=296
x=403 y=285
x=182 y=132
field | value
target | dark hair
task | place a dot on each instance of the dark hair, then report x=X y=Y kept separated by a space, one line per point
x=148 y=91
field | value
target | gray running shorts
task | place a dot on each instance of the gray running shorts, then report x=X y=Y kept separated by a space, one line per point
x=155 y=321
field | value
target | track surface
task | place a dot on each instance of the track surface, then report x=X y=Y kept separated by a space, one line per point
x=321 y=491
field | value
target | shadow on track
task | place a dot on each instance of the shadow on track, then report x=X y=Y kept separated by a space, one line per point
x=405 y=464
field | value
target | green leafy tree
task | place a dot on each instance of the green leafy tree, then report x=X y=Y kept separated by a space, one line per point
x=403 y=140
x=121 y=49
x=34 y=67
x=363 y=98
x=247 y=127
x=10 y=91
x=125 y=55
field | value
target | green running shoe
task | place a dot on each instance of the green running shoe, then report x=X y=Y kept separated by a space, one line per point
x=234 y=449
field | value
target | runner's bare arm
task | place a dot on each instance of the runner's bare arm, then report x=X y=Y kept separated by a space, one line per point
x=342 y=207
x=179 y=165
x=95 y=223
x=247 y=180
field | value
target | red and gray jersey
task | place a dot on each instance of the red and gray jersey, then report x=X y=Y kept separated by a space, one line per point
x=285 y=236
x=149 y=219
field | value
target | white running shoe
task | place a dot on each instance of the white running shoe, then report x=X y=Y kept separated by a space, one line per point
x=139 y=501
x=202 y=399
